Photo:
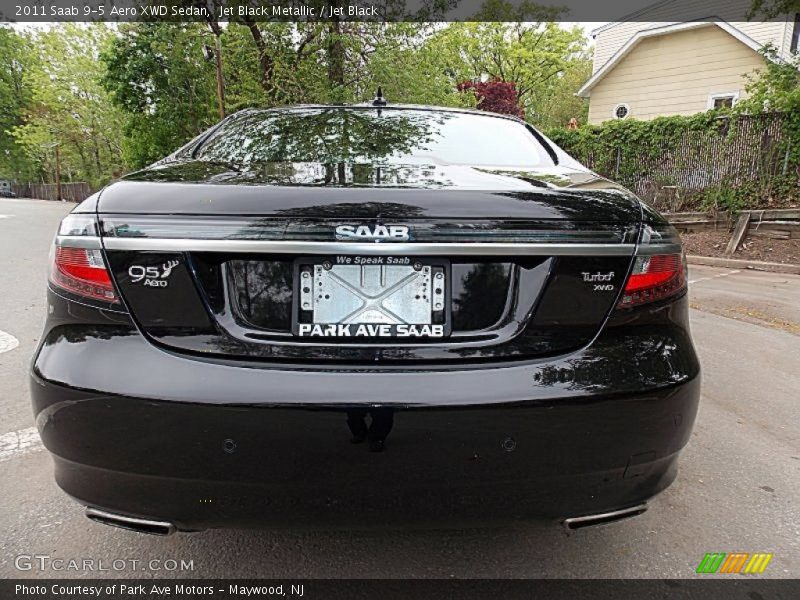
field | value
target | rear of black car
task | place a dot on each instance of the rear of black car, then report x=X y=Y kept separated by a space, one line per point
x=348 y=314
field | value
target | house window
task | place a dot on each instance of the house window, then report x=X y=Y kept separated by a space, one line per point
x=724 y=100
x=620 y=111
x=795 y=34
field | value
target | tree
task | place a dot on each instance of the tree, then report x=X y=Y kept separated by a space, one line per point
x=773 y=8
x=244 y=85
x=16 y=58
x=160 y=76
x=339 y=63
x=69 y=108
x=216 y=29
x=399 y=58
x=157 y=74
x=562 y=104
x=495 y=96
x=776 y=87
x=532 y=54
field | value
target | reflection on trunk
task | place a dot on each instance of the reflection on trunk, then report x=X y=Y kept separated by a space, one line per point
x=262 y=291
x=480 y=292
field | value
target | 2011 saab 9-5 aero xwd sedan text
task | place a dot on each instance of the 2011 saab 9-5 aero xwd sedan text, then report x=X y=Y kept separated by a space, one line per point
x=365 y=314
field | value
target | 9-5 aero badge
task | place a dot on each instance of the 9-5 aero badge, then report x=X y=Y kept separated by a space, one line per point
x=152 y=276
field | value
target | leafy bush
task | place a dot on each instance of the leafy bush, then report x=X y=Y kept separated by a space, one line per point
x=720 y=159
x=495 y=96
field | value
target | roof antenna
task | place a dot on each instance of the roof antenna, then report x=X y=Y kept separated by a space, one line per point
x=379 y=99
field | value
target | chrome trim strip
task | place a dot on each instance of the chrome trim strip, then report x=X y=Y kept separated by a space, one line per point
x=79 y=241
x=117 y=520
x=611 y=516
x=384 y=249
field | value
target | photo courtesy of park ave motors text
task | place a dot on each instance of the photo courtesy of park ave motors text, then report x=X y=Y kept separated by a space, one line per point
x=409 y=290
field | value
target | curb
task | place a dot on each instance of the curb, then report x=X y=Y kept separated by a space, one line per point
x=732 y=263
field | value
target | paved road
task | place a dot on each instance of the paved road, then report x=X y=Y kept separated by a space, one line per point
x=737 y=490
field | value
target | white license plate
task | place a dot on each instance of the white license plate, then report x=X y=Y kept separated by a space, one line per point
x=354 y=297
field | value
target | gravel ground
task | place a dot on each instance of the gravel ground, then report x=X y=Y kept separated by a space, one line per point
x=713 y=243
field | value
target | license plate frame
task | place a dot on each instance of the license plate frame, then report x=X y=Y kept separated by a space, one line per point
x=359 y=332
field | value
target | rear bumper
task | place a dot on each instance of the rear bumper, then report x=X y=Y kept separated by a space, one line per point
x=147 y=433
x=202 y=465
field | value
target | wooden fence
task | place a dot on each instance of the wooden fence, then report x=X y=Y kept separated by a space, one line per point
x=72 y=192
x=738 y=150
x=781 y=224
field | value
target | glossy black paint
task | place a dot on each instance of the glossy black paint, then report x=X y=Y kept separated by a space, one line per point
x=584 y=432
x=202 y=198
x=297 y=467
x=480 y=292
x=261 y=292
x=639 y=348
x=202 y=319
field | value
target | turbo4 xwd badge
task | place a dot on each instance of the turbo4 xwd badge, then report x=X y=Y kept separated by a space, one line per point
x=152 y=276
x=601 y=282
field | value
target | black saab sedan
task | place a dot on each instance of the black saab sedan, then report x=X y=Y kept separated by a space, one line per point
x=365 y=315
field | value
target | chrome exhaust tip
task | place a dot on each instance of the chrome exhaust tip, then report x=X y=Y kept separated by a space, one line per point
x=603 y=518
x=130 y=523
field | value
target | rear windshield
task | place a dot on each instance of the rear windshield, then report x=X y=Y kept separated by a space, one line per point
x=338 y=135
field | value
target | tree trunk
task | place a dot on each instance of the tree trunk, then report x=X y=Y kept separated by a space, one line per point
x=336 y=59
x=220 y=77
x=264 y=59
x=58 y=173
x=97 y=162
x=217 y=31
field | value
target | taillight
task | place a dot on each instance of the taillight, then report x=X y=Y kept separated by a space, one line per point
x=77 y=267
x=655 y=276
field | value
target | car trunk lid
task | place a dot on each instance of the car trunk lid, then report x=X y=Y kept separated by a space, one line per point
x=216 y=269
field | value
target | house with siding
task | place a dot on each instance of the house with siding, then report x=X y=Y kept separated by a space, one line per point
x=680 y=57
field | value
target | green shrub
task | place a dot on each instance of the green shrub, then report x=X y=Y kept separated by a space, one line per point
x=718 y=159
